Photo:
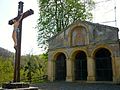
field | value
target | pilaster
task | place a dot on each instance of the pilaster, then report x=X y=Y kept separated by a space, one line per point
x=116 y=69
x=69 y=77
x=90 y=69
x=51 y=70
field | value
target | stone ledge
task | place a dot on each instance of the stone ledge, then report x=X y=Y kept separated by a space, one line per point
x=15 y=85
x=29 y=88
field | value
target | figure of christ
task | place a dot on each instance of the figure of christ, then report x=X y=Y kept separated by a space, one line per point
x=15 y=30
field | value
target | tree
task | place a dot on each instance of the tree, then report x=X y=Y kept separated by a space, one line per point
x=56 y=15
x=34 y=68
x=28 y=70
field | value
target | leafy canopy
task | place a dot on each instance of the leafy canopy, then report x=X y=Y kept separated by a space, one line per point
x=55 y=15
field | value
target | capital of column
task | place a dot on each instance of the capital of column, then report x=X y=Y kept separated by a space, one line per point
x=69 y=59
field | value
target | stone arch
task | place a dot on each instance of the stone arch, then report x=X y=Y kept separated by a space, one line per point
x=103 y=64
x=74 y=51
x=80 y=65
x=55 y=54
x=101 y=46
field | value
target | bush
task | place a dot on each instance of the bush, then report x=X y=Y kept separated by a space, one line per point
x=34 y=69
x=6 y=69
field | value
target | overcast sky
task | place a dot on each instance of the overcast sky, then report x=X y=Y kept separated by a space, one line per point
x=9 y=10
x=103 y=12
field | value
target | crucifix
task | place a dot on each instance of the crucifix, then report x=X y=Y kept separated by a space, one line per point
x=17 y=33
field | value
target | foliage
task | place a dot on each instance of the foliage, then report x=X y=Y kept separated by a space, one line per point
x=34 y=69
x=6 y=69
x=55 y=15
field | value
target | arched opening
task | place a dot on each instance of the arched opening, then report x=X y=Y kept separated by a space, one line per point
x=60 y=67
x=103 y=65
x=80 y=66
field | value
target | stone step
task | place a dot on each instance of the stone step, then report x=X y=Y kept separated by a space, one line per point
x=29 y=88
x=17 y=86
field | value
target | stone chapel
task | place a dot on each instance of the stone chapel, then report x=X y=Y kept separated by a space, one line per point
x=85 y=51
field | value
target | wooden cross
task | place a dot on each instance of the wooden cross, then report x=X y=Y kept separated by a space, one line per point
x=18 y=49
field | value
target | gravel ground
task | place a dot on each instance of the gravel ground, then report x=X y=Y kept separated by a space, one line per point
x=76 y=86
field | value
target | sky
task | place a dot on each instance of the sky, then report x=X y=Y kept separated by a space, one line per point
x=104 y=11
x=9 y=10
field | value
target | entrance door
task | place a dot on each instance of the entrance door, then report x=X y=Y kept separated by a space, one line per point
x=60 y=69
x=103 y=65
x=80 y=66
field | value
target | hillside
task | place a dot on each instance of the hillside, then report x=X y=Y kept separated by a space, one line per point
x=5 y=52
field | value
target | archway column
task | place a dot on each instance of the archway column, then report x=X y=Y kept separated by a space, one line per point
x=69 y=77
x=116 y=69
x=91 y=69
x=51 y=71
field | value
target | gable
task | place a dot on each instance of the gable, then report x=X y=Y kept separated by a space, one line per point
x=83 y=33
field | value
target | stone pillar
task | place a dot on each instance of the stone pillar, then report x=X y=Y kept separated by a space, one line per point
x=116 y=69
x=90 y=69
x=51 y=70
x=69 y=77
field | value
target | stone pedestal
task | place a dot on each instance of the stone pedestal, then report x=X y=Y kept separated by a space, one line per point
x=17 y=85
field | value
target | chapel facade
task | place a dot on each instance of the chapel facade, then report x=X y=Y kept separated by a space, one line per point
x=85 y=51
